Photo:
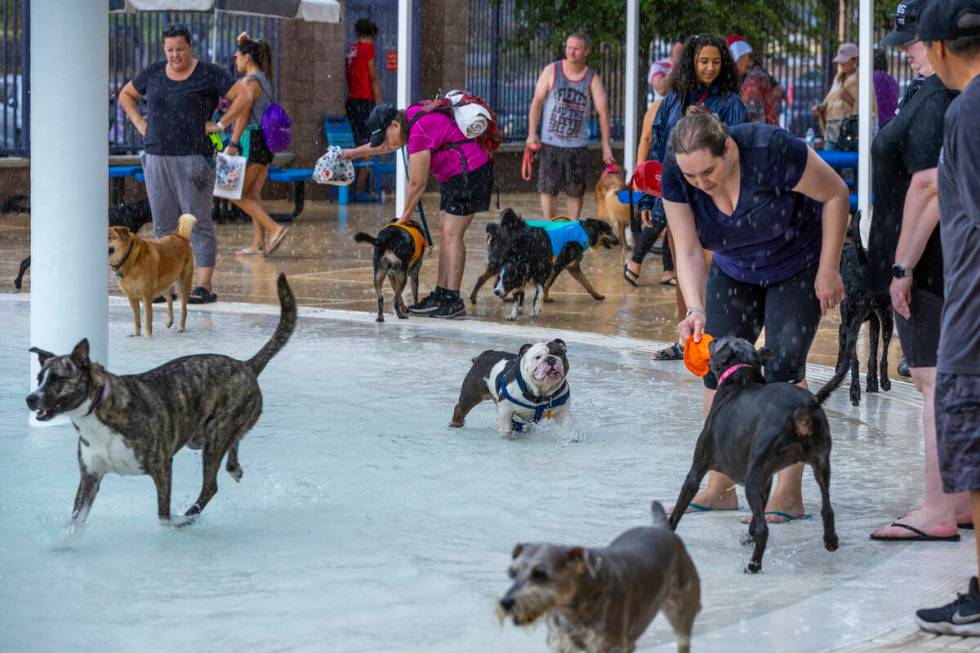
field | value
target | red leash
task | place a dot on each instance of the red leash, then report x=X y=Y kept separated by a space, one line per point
x=527 y=164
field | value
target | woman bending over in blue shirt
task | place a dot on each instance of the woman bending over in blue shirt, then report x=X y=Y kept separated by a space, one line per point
x=775 y=215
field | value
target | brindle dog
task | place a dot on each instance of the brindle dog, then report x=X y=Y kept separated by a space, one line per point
x=135 y=424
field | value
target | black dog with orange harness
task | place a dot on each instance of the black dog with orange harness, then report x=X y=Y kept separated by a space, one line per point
x=398 y=253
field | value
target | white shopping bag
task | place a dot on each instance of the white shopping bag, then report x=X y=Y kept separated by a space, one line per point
x=331 y=169
x=229 y=176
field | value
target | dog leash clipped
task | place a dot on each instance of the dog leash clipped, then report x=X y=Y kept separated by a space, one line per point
x=418 y=207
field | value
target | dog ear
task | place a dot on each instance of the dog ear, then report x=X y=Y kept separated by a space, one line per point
x=79 y=354
x=492 y=229
x=560 y=345
x=42 y=355
x=517 y=551
x=524 y=348
x=764 y=355
x=591 y=560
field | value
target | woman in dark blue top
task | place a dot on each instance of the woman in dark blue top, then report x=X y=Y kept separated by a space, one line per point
x=774 y=215
x=706 y=77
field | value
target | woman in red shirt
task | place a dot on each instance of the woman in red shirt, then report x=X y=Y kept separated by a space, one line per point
x=363 y=86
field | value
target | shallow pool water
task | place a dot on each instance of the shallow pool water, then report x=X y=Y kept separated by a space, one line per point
x=364 y=523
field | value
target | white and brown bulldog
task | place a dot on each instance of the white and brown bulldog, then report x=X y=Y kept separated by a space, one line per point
x=526 y=386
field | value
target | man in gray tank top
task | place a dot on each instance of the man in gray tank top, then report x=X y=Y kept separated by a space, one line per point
x=567 y=89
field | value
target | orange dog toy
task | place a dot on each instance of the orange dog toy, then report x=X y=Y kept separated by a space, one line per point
x=697 y=354
x=527 y=164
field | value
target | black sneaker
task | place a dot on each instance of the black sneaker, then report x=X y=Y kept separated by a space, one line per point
x=961 y=617
x=427 y=305
x=450 y=308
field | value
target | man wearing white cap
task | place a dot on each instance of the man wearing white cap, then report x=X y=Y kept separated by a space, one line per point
x=760 y=92
x=842 y=100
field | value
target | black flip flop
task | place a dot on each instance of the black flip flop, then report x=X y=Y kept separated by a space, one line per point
x=630 y=276
x=918 y=536
x=202 y=295
x=967 y=526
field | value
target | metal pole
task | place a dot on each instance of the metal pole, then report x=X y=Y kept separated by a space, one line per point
x=404 y=90
x=632 y=55
x=865 y=117
x=69 y=177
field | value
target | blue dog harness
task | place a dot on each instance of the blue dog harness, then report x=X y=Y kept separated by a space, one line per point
x=542 y=406
x=561 y=233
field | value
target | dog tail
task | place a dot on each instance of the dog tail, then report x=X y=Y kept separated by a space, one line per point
x=843 y=365
x=362 y=237
x=659 y=515
x=185 y=224
x=287 y=323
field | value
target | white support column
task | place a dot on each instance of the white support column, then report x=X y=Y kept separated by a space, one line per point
x=69 y=176
x=632 y=56
x=404 y=93
x=865 y=94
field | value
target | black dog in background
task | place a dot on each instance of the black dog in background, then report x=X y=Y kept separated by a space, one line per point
x=863 y=304
x=132 y=216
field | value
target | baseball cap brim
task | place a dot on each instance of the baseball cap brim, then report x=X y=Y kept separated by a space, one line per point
x=898 y=38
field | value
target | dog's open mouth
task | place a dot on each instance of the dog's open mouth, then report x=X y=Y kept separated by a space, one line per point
x=550 y=374
x=44 y=414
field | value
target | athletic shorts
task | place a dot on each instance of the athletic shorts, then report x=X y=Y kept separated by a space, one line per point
x=958 y=431
x=357 y=113
x=563 y=169
x=789 y=310
x=467 y=193
x=258 y=151
x=920 y=333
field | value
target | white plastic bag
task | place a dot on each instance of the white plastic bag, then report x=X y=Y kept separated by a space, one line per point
x=331 y=169
x=229 y=176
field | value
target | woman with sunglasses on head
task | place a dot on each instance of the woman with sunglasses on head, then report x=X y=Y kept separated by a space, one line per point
x=181 y=95
x=774 y=215
x=706 y=78
x=254 y=59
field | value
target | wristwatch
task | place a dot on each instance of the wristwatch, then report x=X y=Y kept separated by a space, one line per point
x=235 y=145
x=693 y=309
x=901 y=272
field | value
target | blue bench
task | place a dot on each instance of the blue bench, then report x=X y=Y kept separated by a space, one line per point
x=118 y=175
x=839 y=160
x=298 y=178
x=338 y=132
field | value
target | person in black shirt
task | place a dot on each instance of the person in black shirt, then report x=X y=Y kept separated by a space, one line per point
x=906 y=256
x=181 y=95
x=951 y=31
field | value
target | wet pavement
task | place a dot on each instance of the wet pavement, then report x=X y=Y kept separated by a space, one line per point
x=364 y=523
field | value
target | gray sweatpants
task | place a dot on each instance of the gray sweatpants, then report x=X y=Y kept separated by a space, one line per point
x=182 y=184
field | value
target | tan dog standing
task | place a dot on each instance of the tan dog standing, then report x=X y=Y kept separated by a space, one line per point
x=147 y=268
x=608 y=206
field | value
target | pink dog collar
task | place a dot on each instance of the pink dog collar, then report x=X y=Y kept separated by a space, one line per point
x=611 y=169
x=731 y=370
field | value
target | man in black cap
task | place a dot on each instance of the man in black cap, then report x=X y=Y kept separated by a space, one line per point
x=905 y=237
x=465 y=175
x=951 y=30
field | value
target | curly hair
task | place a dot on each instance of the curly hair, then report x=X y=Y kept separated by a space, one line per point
x=686 y=76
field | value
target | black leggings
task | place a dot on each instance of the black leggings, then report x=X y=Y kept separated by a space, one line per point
x=789 y=310
x=645 y=241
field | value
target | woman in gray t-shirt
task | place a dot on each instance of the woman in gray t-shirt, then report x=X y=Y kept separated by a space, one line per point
x=254 y=59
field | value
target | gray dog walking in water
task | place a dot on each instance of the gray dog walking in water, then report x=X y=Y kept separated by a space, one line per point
x=135 y=424
x=601 y=600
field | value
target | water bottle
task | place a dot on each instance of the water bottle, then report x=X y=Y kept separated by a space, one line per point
x=811 y=137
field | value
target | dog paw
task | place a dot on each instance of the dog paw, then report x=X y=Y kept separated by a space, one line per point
x=830 y=543
x=510 y=317
x=180 y=329
x=549 y=300
x=170 y=324
x=746 y=539
x=380 y=318
x=473 y=299
x=872 y=387
x=753 y=567
x=886 y=384
x=598 y=298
